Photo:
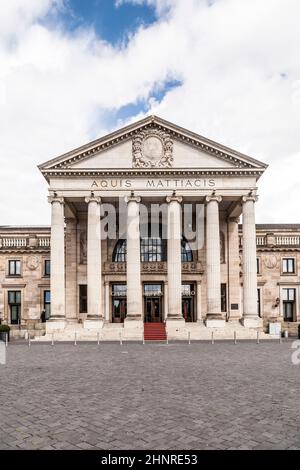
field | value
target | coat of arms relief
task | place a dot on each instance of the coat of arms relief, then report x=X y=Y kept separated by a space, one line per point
x=152 y=149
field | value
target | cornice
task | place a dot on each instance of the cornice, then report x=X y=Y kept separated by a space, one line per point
x=62 y=173
x=25 y=250
x=277 y=249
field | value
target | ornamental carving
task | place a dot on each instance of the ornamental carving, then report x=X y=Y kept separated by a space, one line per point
x=270 y=261
x=157 y=267
x=152 y=149
x=33 y=263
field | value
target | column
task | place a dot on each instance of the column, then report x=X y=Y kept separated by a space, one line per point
x=174 y=258
x=234 y=283
x=199 y=302
x=57 y=276
x=213 y=271
x=250 y=314
x=133 y=258
x=166 y=303
x=71 y=269
x=107 y=301
x=94 y=267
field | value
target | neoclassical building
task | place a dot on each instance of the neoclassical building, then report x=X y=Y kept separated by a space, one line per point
x=145 y=232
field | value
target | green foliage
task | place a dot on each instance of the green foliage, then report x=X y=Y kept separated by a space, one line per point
x=4 y=328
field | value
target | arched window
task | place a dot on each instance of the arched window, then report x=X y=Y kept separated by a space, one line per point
x=152 y=250
x=186 y=252
x=119 y=254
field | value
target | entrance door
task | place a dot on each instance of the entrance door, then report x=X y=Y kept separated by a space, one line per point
x=152 y=302
x=153 y=309
x=188 y=300
x=187 y=309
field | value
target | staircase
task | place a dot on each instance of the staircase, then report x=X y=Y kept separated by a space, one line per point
x=155 y=332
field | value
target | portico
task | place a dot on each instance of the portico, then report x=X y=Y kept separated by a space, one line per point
x=152 y=211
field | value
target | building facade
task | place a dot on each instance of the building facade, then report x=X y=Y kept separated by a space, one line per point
x=145 y=229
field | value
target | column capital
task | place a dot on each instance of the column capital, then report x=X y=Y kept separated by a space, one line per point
x=174 y=198
x=133 y=198
x=56 y=198
x=234 y=220
x=250 y=197
x=213 y=197
x=70 y=220
x=96 y=199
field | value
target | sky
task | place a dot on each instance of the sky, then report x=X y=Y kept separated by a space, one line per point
x=74 y=70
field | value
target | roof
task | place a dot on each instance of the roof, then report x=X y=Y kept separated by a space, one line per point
x=66 y=161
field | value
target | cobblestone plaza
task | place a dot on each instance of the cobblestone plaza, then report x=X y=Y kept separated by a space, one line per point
x=152 y=396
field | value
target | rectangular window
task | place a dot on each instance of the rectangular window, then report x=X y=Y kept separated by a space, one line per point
x=83 y=298
x=257 y=266
x=289 y=298
x=14 y=302
x=14 y=267
x=223 y=298
x=47 y=304
x=153 y=289
x=288 y=265
x=47 y=267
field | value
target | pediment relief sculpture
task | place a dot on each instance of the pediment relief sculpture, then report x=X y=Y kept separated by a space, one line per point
x=152 y=149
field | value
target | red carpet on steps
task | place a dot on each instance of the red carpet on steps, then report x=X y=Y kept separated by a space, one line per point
x=155 y=332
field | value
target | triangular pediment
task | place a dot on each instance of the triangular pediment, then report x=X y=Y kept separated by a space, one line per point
x=151 y=144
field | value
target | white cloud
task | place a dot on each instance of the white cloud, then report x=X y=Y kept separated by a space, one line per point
x=238 y=62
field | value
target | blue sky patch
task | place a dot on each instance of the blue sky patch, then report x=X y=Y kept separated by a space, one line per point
x=111 y=23
x=111 y=117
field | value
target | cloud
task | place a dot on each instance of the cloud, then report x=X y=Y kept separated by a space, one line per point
x=237 y=63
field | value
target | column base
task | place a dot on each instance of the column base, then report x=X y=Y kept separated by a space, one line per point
x=93 y=324
x=131 y=318
x=172 y=320
x=55 y=324
x=215 y=322
x=252 y=322
x=133 y=322
x=133 y=329
x=71 y=321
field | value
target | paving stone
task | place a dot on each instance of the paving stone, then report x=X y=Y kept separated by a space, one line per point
x=183 y=396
